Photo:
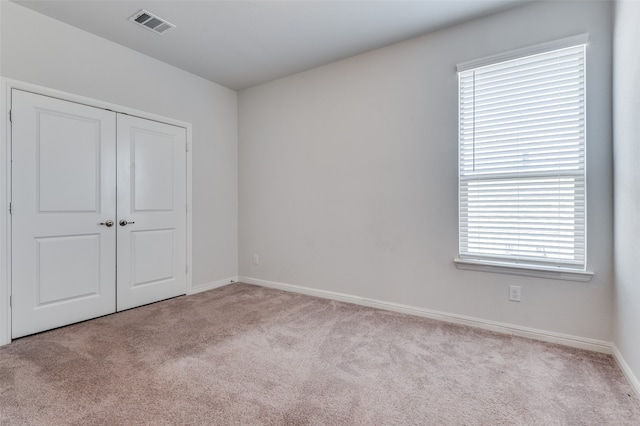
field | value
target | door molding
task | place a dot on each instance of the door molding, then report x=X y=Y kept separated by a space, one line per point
x=6 y=85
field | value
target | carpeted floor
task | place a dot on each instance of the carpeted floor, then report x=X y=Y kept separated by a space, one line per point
x=248 y=355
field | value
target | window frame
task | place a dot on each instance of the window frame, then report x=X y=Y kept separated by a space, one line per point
x=514 y=266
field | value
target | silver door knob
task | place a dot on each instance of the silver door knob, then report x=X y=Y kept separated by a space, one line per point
x=108 y=223
x=124 y=222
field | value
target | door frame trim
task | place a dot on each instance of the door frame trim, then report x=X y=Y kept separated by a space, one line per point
x=6 y=85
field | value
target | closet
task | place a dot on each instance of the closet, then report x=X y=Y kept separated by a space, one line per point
x=98 y=212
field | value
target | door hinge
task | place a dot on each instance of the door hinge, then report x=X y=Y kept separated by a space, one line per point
x=186 y=269
x=10 y=209
x=10 y=301
x=186 y=146
x=10 y=116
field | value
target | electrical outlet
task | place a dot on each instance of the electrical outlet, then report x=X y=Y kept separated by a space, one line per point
x=256 y=259
x=514 y=293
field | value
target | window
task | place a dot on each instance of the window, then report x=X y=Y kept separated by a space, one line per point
x=522 y=160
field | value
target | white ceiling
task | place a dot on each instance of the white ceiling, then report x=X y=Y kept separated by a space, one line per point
x=243 y=43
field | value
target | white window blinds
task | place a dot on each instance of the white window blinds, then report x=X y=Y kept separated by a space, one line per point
x=522 y=161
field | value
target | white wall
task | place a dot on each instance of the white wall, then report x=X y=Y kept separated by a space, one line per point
x=348 y=176
x=43 y=51
x=626 y=106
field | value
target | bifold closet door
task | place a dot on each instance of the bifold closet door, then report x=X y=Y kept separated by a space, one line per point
x=63 y=197
x=151 y=211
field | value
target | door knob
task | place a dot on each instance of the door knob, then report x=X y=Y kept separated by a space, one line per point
x=108 y=223
x=123 y=222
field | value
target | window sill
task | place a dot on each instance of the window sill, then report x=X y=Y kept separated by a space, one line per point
x=527 y=271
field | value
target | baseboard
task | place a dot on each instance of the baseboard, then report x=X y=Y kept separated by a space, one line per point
x=633 y=380
x=531 y=333
x=212 y=285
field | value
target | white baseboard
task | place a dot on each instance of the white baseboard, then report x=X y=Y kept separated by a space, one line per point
x=213 y=284
x=633 y=380
x=515 y=330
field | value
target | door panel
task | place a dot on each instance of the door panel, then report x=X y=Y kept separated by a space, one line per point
x=153 y=174
x=63 y=186
x=68 y=173
x=151 y=194
x=58 y=255
x=152 y=253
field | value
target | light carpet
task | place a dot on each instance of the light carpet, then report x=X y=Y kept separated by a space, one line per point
x=246 y=355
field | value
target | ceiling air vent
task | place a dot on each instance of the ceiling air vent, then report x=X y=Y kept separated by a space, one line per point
x=151 y=22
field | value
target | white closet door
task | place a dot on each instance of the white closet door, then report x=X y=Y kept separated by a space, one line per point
x=151 y=259
x=63 y=187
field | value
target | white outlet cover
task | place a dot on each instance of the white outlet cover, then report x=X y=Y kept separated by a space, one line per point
x=514 y=293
